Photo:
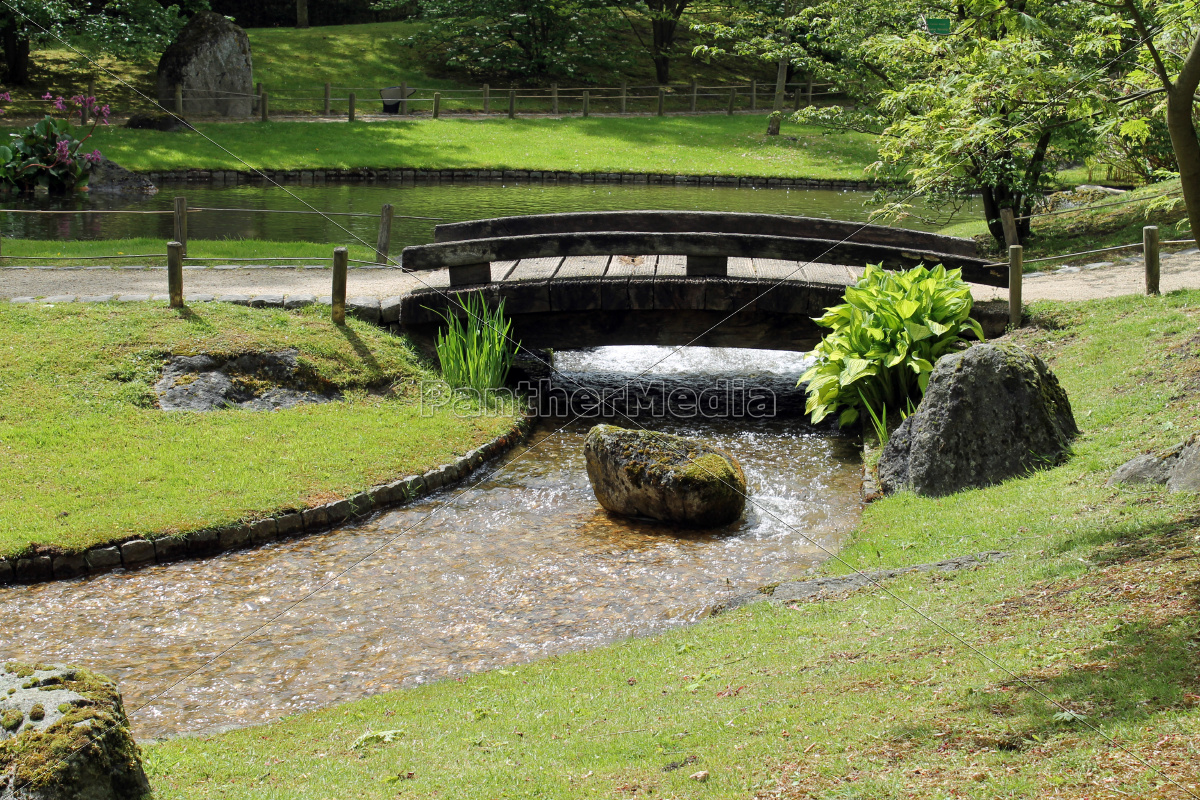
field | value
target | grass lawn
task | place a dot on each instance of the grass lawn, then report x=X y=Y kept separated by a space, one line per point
x=942 y=685
x=679 y=145
x=84 y=459
x=53 y=252
x=1096 y=225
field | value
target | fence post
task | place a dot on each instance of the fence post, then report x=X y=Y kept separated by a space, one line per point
x=1150 y=250
x=179 y=99
x=1016 y=269
x=263 y=109
x=437 y=104
x=512 y=103
x=175 y=273
x=403 y=98
x=487 y=99
x=754 y=95
x=554 y=98
x=180 y=227
x=624 y=95
x=384 y=243
x=586 y=108
x=732 y=97
x=258 y=91
x=797 y=98
x=341 y=260
x=695 y=94
x=808 y=91
x=91 y=93
x=662 y=101
x=1009 y=223
x=350 y=110
x=328 y=98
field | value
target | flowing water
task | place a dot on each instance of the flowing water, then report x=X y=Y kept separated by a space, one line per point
x=450 y=202
x=519 y=564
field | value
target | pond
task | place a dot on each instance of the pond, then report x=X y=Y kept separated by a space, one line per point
x=447 y=202
x=519 y=564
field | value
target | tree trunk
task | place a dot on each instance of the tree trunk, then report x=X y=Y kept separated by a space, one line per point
x=16 y=56
x=664 y=39
x=301 y=13
x=777 y=108
x=1187 y=152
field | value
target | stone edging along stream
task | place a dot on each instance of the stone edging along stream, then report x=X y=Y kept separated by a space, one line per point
x=319 y=176
x=140 y=551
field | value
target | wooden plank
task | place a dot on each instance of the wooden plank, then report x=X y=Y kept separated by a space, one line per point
x=631 y=266
x=741 y=268
x=502 y=269
x=583 y=267
x=825 y=273
x=535 y=269
x=774 y=269
x=671 y=267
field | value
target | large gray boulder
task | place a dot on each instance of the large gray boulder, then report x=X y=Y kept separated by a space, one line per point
x=109 y=177
x=210 y=59
x=1178 y=469
x=64 y=736
x=990 y=413
x=669 y=478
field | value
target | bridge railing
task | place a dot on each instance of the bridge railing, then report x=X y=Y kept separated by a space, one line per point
x=707 y=239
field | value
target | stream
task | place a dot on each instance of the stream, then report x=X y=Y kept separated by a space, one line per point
x=517 y=564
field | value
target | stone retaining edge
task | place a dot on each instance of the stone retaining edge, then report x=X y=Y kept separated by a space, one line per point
x=318 y=176
x=140 y=551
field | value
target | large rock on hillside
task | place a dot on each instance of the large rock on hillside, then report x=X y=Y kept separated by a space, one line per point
x=664 y=477
x=64 y=736
x=990 y=413
x=211 y=60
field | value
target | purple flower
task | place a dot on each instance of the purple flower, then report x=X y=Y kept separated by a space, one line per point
x=46 y=96
x=93 y=156
x=5 y=96
x=59 y=104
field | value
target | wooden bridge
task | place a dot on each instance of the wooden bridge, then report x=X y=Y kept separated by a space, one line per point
x=667 y=277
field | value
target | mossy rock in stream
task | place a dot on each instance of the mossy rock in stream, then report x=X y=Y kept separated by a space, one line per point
x=669 y=478
x=65 y=737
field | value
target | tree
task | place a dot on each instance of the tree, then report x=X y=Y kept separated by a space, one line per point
x=664 y=18
x=301 y=13
x=518 y=39
x=1168 y=42
x=120 y=27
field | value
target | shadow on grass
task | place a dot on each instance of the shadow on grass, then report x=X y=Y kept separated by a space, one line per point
x=360 y=348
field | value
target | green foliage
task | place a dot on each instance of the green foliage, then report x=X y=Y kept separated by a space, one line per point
x=476 y=354
x=886 y=338
x=519 y=39
x=46 y=155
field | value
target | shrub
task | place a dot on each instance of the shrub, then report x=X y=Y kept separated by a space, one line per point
x=476 y=353
x=886 y=338
x=48 y=155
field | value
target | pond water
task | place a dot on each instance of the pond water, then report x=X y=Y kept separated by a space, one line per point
x=449 y=202
x=518 y=564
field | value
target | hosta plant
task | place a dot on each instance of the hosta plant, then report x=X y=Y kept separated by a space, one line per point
x=886 y=337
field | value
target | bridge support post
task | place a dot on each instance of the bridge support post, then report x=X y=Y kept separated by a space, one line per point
x=707 y=266
x=471 y=274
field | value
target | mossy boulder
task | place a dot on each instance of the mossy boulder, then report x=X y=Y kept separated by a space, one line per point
x=669 y=478
x=210 y=59
x=990 y=413
x=65 y=737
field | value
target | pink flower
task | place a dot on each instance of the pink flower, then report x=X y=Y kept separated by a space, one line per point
x=46 y=96
x=62 y=150
x=5 y=96
x=93 y=156
x=59 y=104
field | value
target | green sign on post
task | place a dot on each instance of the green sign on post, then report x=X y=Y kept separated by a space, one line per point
x=938 y=27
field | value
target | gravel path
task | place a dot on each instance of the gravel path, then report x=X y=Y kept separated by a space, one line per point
x=1092 y=281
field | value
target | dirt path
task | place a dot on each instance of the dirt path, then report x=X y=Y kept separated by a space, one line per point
x=1179 y=271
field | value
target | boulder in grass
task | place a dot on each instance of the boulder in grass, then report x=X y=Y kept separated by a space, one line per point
x=210 y=59
x=669 y=478
x=64 y=736
x=1178 y=468
x=990 y=413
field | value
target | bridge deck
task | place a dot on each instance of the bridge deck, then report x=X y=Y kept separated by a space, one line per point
x=563 y=267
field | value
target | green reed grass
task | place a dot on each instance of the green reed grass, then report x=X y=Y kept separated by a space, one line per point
x=476 y=353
